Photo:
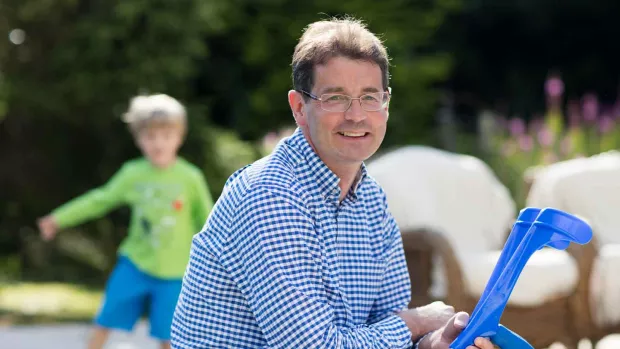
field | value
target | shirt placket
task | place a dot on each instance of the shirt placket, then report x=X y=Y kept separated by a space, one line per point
x=341 y=227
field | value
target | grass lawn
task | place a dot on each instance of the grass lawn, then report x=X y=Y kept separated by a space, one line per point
x=29 y=303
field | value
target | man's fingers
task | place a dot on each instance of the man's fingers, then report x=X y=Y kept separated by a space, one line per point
x=484 y=343
x=454 y=326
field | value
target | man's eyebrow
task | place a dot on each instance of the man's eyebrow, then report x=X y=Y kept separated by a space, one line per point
x=341 y=90
x=332 y=90
x=370 y=89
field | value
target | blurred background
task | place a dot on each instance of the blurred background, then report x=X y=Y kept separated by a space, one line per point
x=518 y=84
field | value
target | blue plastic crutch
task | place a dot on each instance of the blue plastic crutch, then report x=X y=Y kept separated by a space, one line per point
x=533 y=230
x=526 y=217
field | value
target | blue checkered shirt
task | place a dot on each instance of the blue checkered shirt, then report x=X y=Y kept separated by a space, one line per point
x=281 y=263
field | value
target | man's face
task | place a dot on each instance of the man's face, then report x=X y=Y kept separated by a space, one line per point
x=160 y=144
x=349 y=137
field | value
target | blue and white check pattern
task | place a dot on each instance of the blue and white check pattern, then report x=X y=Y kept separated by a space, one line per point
x=280 y=263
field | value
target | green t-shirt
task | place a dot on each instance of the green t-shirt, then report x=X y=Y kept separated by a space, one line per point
x=168 y=207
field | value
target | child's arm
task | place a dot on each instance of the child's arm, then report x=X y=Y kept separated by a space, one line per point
x=203 y=202
x=93 y=204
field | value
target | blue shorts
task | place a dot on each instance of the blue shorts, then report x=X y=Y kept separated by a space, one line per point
x=129 y=292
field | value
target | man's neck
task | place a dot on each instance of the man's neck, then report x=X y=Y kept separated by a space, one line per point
x=348 y=175
x=346 y=172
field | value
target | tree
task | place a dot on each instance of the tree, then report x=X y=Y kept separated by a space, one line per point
x=504 y=51
x=65 y=87
x=254 y=59
x=69 y=82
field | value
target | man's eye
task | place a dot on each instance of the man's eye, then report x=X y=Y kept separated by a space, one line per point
x=370 y=98
x=336 y=98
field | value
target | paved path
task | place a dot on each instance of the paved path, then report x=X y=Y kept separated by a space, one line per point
x=75 y=337
x=70 y=337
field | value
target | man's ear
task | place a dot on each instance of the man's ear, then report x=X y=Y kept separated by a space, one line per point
x=296 y=102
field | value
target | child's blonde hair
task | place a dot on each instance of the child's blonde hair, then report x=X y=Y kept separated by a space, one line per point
x=154 y=110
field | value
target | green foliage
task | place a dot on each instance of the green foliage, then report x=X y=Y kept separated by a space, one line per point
x=265 y=35
x=505 y=50
x=63 y=90
x=3 y=101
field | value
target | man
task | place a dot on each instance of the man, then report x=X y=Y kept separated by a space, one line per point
x=301 y=250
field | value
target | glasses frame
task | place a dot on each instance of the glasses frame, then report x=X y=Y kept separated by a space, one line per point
x=320 y=99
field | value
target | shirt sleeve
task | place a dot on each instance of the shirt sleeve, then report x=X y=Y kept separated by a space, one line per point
x=203 y=202
x=94 y=203
x=270 y=257
x=395 y=293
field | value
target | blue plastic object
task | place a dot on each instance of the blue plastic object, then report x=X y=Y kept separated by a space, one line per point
x=534 y=229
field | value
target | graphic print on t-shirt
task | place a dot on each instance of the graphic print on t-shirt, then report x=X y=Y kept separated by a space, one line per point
x=156 y=206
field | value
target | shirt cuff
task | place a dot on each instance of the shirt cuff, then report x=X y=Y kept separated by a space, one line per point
x=417 y=343
x=395 y=331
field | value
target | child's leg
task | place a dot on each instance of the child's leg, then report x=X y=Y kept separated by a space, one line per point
x=98 y=338
x=124 y=302
x=164 y=345
x=163 y=303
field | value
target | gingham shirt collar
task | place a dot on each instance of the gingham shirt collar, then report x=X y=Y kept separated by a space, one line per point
x=327 y=181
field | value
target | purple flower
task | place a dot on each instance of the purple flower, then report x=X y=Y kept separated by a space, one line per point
x=590 y=107
x=536 y=124
x=606 y=124
x=616 y=110
x=525 y=142
x=545 y=137
x=516 y=126
x=554 y=87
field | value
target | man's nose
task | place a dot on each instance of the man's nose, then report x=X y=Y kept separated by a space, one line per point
x=355 y=112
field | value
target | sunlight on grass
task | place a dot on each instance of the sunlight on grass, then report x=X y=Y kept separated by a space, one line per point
x=50 y=300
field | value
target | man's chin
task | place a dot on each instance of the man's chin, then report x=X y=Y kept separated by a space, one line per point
x=357 y=155
x=354 y=158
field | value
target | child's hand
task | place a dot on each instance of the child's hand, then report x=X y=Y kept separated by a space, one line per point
x=48 y=227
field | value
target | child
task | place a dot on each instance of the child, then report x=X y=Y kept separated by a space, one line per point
x=170 y=202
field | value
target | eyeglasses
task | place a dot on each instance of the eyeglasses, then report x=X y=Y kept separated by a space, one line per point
x=336 y=102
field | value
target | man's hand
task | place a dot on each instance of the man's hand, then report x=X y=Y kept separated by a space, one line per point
x=48 y=227
x=442 y=338
x=428 y=318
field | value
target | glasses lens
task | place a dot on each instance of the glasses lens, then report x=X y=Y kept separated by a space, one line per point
x=340 y=102
x=335 y=102
x=373 y=101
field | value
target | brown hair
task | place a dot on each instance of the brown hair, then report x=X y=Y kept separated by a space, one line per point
x=327 y=39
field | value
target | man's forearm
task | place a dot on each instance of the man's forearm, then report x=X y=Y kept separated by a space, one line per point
x=414 y=322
